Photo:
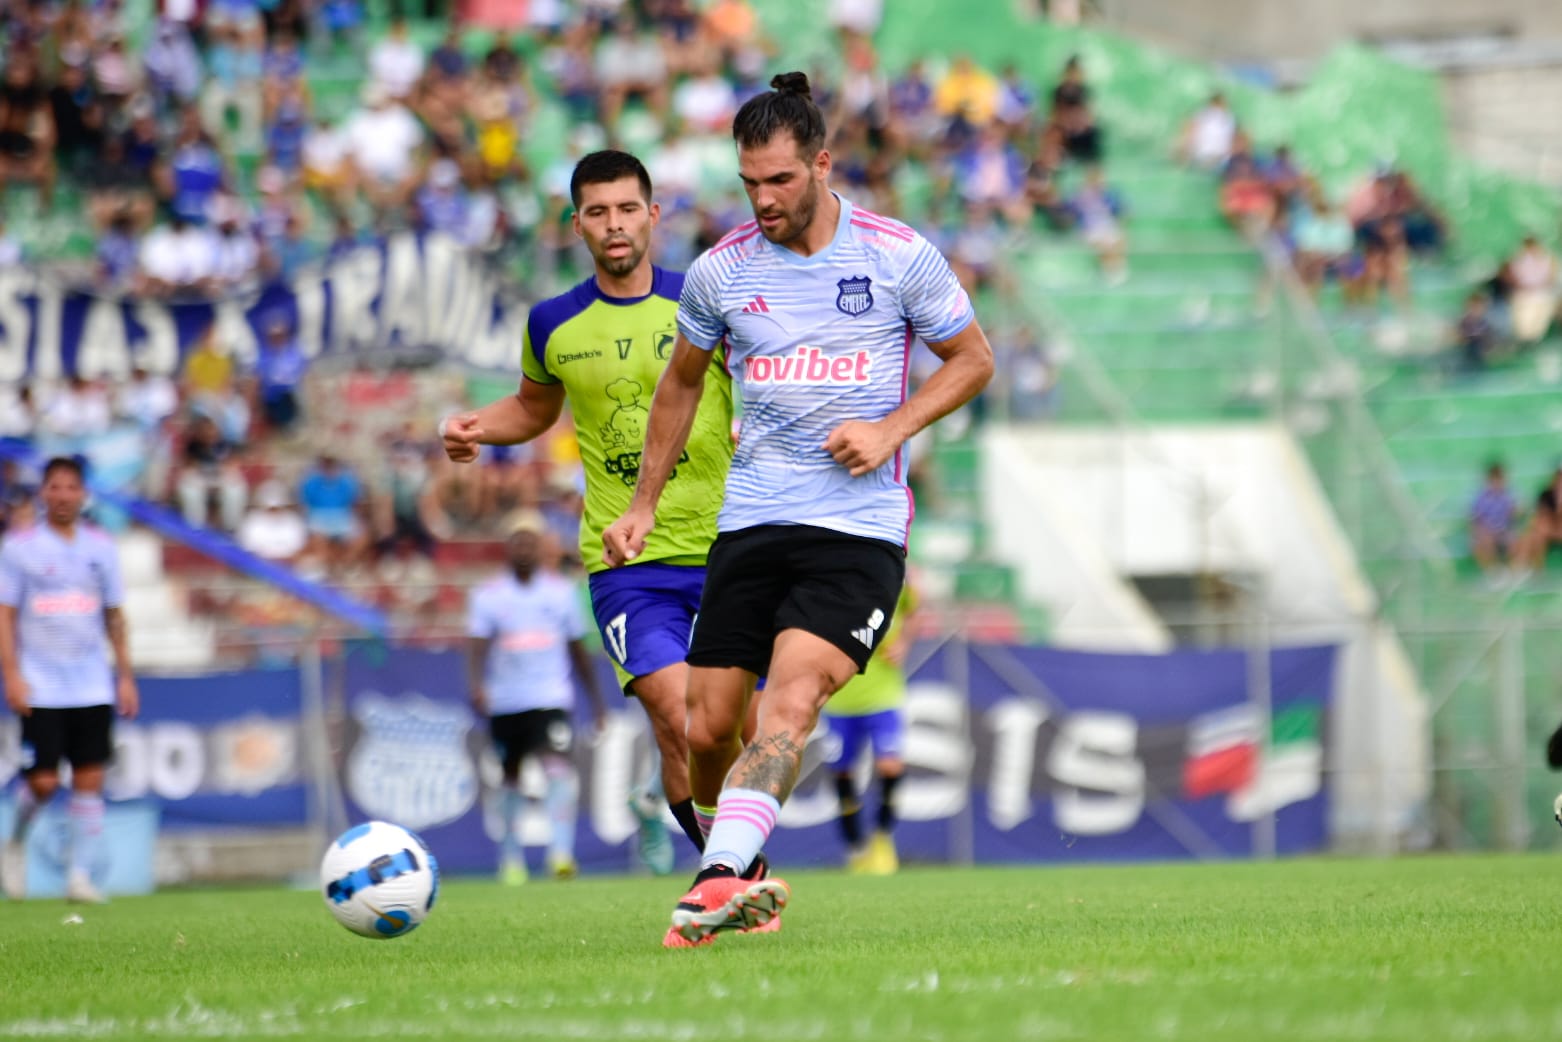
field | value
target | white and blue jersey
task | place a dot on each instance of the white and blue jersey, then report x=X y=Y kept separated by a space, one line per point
x=60 y=588
x=814 y=342
x=531 y=625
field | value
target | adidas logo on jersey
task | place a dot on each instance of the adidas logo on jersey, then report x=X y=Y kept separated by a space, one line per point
x=809 y=366
x=757 y=306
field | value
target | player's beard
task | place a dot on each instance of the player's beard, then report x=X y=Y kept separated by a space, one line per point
x=618 y=267
x=794 y=223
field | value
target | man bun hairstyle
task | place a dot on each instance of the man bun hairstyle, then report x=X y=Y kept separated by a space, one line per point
x=787 y=107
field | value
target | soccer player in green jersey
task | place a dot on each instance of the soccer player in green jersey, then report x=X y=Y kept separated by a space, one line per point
x=870 y=710
x=603 y=345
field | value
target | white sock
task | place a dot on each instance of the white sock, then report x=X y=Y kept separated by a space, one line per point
x=26 y=809
x=744 y=818
x=86 y=817
x=511 y=803
x=704 y=817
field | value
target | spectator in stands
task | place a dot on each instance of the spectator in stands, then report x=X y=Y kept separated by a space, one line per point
x=27 y=133
x=396 y=62
x=408 y=508
x=1475 y=334
x=18 y=414
x=441 y=204
x=116 y=75
x=280 y=370
x=1246 y=199
x=287 y=128
x=1532 y=291
x=1285 y=177
x=118 y=187
x=236 y=56
x=705 y=102
x=1325 y=244
x=79 y=409
x=173 y=66
x=1072 y=118
x=1385 y=259
x=331 y=497
x=327 y=164
x=210 y=472
x=1097 y=211
x=146 y=399
x=856 y=17
x=177 y=259
x=273 y=529
x=562 y=507
x=193 y=173
x=975 y=248
x=1208 y=137
x=210 y=387
x=235 y=253
x=1545 y=526
x=630 y=64
x=912 y=112
x=383 y=142
x=1422 y=223
x=79 y=123
x=17 y=495
x=1493 y=517
x=116 y=254
x=990 y=174
x=968 y=93
x=732 y=28
x=341 y=21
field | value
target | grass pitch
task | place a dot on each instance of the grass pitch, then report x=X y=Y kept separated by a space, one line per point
x=1415 y=949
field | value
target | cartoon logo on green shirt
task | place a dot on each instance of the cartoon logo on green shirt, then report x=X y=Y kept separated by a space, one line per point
x=625 y=431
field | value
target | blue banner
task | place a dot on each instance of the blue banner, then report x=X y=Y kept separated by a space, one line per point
x=1013 y=753
x=219 y=750
x=427 y=294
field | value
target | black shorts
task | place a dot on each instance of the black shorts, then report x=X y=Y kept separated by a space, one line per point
x=768 y=578
x=535 y=731
x=84 y=735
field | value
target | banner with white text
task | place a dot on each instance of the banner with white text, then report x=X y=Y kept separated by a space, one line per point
x=418 y=294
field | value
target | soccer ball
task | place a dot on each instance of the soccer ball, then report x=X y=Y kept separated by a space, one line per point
x=379 y=880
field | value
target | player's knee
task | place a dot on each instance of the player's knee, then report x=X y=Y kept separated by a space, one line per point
x=44 y=785
x=795 y=706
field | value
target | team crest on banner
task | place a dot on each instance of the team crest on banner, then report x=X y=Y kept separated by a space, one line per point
x=856 y=295
x=410 y=763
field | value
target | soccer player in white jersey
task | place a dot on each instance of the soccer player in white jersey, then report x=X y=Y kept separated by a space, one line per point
x=525 y=629
x=817 y=303
x=60 y=596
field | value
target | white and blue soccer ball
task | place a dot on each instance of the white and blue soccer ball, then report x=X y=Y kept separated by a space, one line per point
x=379 y=880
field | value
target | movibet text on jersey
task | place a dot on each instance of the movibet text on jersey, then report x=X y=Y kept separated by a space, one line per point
x=809 y=366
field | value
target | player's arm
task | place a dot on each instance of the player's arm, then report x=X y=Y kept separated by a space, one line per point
x=522 y=416
x=862 y=446
x=10 y=668
x=673 y=408
x=12 y=586
x=126 y=695
x=476 y=662
x=580 y=658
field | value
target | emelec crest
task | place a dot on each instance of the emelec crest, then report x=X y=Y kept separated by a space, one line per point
x=856 y=295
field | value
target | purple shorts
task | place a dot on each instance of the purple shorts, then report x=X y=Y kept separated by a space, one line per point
x=884 y=730
x=645 y=613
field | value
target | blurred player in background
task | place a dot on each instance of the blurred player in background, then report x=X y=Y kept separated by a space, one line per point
x=603 y=345
x=870 y=710
x=817 y=303
x=60 y=596
x=525 y=629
